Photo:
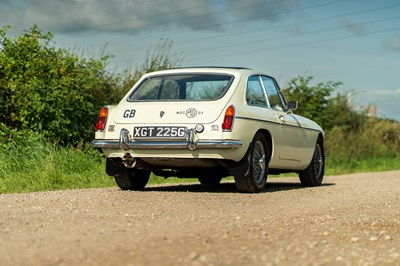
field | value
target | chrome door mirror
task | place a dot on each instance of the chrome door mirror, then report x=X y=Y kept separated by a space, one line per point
x=292 y=105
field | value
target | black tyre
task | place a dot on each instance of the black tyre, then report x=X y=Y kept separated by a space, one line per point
x=255 y=180
x=314 y=173
x=210 y=180
x=132 y=179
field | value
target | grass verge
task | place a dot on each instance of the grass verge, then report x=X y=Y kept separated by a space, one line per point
x=36 y=165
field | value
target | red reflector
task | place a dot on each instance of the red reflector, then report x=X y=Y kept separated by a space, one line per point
x=102 y=119
x=228 y=119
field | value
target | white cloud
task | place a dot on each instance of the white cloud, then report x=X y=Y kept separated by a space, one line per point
x=387 y=101
x=353 y=26
x=261 y=9
x=109 y=15
x=394 y=43
x=135 y=16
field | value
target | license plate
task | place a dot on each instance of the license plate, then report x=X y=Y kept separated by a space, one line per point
x=159 y=132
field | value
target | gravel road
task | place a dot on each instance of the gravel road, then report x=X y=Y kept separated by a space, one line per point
x=350 y=220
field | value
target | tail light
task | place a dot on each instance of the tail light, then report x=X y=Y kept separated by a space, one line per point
x=102 y=119
x=228 y=119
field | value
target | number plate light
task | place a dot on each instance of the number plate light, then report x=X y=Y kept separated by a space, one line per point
x=199 y=128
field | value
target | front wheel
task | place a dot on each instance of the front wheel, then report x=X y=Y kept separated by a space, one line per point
x=314 y=173
x=132 y=179
x=255 y=180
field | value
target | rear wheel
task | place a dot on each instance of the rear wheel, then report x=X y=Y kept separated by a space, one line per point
x=210 y=180
x=314 y=173
x=256 y=178
x=132 y=179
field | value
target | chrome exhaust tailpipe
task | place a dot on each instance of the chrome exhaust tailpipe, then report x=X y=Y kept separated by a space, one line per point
x=124 y=139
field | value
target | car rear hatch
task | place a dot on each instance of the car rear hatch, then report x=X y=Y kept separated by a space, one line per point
x=178 y=99
x=168 y=112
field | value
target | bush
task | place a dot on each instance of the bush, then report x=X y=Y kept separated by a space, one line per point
x=317 y=103
x=353 y=141
x=375 y=139
x=49 y=90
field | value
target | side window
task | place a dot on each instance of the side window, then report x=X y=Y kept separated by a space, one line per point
x=274 y=97
x=254 y=92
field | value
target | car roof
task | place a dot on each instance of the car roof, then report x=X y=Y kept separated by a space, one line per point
x=203 y=69
x=208 y=67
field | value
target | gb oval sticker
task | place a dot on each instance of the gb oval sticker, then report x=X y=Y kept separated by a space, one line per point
x=129 y=113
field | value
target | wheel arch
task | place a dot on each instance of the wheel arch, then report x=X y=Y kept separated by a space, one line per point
x=268 y=138
x=321 y=141
x=313 y=174
x=242 y=167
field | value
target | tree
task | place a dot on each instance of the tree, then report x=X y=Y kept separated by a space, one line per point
x=316 y=102
x=157 y=57
x=49 y=90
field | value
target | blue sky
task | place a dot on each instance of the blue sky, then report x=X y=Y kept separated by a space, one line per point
x=353 y=41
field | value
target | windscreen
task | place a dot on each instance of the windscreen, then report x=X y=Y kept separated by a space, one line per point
x=186 y=87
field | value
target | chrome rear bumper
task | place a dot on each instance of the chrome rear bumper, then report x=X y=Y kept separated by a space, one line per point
x=125 y=143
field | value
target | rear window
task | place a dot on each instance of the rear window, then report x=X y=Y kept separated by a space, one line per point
x=187 y=87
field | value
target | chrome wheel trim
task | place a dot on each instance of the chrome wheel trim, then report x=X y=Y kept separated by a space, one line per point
x=259 y=162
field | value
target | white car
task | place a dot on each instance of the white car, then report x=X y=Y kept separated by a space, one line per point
x=208 y=123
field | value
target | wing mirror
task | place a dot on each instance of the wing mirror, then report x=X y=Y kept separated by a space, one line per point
x=292 y=105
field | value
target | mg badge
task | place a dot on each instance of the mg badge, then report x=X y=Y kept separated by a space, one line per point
x=191 y=112
x=162 y=113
